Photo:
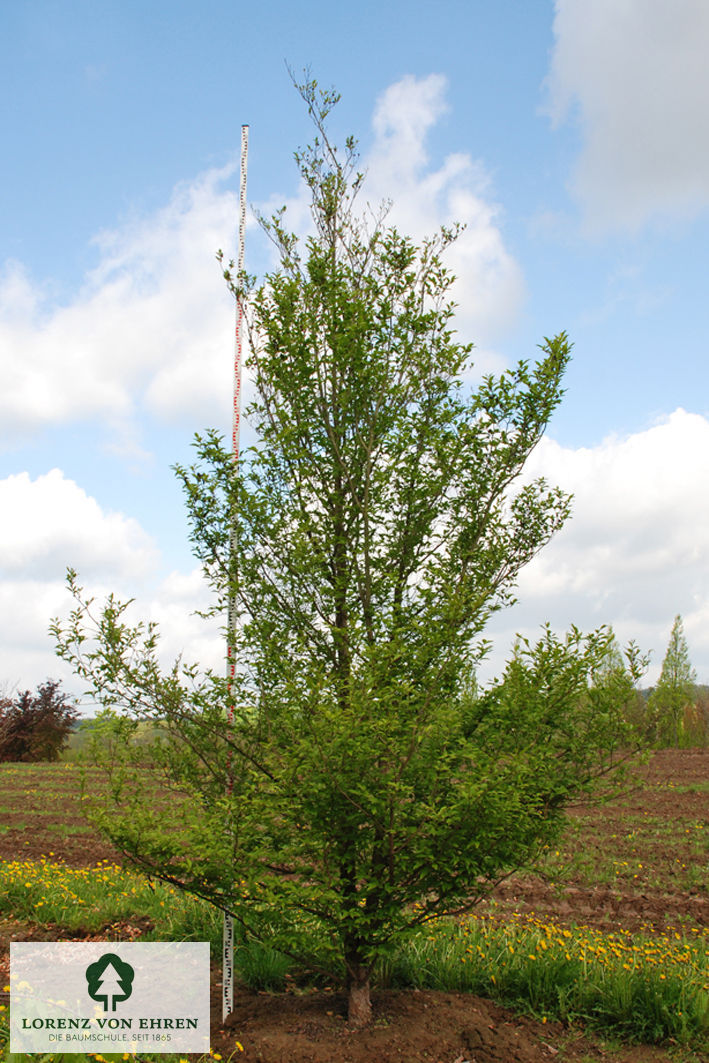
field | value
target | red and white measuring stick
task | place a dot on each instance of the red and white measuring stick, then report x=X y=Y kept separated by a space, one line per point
x=228 y=937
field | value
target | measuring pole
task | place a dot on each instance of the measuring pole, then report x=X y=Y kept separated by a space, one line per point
x=228 y=937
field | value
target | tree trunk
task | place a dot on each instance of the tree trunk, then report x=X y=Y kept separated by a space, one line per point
x=359 y=1006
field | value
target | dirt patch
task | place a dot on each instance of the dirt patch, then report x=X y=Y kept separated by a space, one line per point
x=407 y=1026
x=601 y=907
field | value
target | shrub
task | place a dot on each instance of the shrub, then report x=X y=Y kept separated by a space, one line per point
x=35 y=726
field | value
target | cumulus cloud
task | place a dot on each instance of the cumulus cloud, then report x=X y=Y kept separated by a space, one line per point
x=489 y=287
x=150 y=331
x=636 y=550
x=635 y=553
x=28 y=605
x=26 y=655
x=48 y=524
x=51 y=523
x=147 y=332
x=183 y=634
x=148 y=336
x=634 y=75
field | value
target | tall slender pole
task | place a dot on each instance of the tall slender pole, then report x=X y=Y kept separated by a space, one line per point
x=228 y=937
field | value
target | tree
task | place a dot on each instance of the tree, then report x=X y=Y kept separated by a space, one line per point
x=675 y=689
x=617 y=675
x=35 y=726
x=357 y=786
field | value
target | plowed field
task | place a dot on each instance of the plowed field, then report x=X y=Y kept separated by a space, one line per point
x=640 y=863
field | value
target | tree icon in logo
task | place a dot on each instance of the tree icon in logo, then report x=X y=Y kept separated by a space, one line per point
x=110 y=979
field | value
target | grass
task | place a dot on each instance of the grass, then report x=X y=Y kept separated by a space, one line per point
x=645 y=988
x=635 y=855
x=97 y=898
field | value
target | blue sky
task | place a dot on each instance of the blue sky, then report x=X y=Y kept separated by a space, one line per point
x=572 y=140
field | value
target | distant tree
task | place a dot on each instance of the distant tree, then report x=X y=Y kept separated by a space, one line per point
x=35 y=726
x=701 y=714
x=616 y=675
x=675 y=688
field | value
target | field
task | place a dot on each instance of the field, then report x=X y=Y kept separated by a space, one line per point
x=628 y=885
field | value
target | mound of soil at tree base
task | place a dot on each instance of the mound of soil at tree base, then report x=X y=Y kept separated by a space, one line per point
x=409 y=1026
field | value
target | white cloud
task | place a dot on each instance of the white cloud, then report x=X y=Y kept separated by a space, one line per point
x=26 y=655
x=149 y=336
x=489 y=288
x=635 y=553
x=149 y=329
x=636 y=550
x=195 y=640
x=27 y=607
x=50 y=523
x=634 y=74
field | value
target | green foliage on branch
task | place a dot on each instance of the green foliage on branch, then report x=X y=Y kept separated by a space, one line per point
x=350 y=782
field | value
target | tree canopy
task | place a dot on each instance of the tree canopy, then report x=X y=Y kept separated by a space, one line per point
x=357 y=785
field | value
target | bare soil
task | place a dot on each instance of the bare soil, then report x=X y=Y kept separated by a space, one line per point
x=635 y=864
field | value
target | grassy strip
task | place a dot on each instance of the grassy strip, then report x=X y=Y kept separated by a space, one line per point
x=644 y=989
x=97 y=897
x=641 y=988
